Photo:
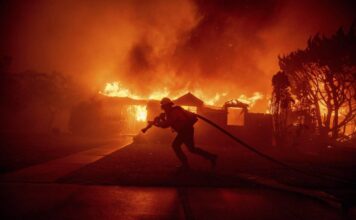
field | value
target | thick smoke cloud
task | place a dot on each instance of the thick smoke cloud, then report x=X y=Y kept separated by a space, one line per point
x=225 y=45
x=212 y=45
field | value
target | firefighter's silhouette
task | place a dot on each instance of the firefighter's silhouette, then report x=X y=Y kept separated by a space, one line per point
x=182 y=122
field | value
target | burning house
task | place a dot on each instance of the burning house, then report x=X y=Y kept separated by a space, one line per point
x=118 y=112
x=105 y=115
x=128 y=115
x=255 y=128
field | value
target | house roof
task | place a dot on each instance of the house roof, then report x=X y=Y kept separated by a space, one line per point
x=121 y=100
x=235 y=103
x=189 y=99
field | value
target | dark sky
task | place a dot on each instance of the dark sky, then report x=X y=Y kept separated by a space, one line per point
x=213 y=46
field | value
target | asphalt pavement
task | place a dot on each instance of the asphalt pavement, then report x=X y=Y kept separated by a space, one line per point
x=39 y=192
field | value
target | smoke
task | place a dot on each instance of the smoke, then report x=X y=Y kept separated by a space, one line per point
x=215 y=46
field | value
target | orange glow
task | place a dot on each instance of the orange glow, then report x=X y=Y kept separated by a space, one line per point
x=323 y=108
x=157 y=95
x=116 y=89
x=140 y=112
x=250 y=100
x=190 y=108
x=173 y=44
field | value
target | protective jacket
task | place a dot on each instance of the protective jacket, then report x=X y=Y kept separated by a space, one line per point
x=178 y=119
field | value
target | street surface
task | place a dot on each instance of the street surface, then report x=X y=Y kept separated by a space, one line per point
x=101 y=184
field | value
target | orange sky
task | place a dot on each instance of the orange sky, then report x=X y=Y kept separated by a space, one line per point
x=214 y=46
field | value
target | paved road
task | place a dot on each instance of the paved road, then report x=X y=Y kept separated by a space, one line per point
x=66 y=201
x=53 y=170
x=33 y=193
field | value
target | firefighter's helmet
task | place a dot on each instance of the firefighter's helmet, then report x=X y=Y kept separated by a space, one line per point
x=166 y=101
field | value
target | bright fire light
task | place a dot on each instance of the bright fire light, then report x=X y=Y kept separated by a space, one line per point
x=250 y=100
x=157 y=95
x=140 y=112
x=115 y=89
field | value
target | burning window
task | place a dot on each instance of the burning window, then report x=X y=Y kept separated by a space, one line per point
x=235 y=116
x=139 y=112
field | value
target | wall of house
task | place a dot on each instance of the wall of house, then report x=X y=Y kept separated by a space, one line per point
x=257 y=129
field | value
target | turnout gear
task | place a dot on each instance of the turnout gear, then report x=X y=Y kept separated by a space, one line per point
x=182 y=122
x=166 y=101
x=178 y=119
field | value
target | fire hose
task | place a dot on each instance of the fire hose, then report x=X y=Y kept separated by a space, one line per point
x=249 y=147
x=254 y=150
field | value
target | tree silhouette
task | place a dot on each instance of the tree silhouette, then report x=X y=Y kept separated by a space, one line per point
x=281 y=105
x=322 y=79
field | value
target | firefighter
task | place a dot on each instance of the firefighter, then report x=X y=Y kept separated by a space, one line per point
x=182 y=122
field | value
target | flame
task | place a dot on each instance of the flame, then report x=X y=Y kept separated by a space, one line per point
x=323 y=108
x=157 y=95
x=210 y=100
x=250 y=100
x=140 y=112
x=115 y=89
